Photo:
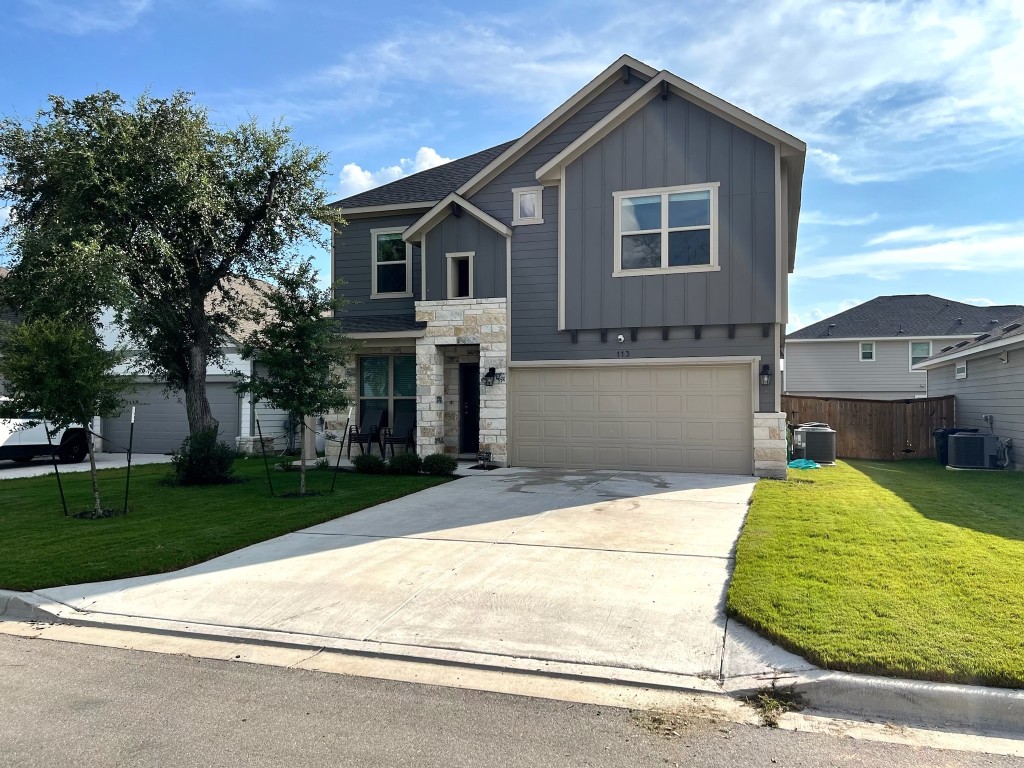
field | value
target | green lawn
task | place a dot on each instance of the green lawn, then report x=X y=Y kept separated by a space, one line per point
x=902 y=568
x=167 y=527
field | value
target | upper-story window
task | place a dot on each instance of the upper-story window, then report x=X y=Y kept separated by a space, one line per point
x=867 y=351
x=960 y=370
x=391 y=264
x=672 y=229
x=527 y=205
x=919 y=352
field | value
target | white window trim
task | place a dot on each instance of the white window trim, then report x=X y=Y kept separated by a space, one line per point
x=449 y=264
x=711 y=187
x=517 y=192
x=373 y=265
x=860 y=352
x=960 y=371
x=910 y=352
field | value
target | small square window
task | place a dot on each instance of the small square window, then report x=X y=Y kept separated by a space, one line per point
x=919 y=352
x=527 y=205
x=867 y=351
x=460 y=275
x=961 y=370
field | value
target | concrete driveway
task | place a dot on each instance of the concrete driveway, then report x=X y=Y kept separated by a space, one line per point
x=619 y=575
x=41 y=466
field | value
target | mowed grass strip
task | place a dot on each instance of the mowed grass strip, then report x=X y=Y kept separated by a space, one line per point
x=905 y=569
x=167 y=527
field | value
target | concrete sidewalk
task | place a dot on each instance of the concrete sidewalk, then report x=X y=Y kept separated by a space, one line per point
x=40 y=466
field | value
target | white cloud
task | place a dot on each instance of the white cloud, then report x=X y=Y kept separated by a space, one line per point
x=881 y=91
x=830 y=220
x=981 y=302
x=354 y=179
x=82 y=17
x=984 y=248
x=929 y=233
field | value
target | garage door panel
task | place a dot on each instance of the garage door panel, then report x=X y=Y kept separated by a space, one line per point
x=679 y=418
x=161 y=423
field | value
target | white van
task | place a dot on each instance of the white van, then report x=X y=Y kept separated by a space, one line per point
x=24 y=438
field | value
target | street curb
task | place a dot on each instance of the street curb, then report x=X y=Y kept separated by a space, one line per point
x=873 y=697
x=25 y=606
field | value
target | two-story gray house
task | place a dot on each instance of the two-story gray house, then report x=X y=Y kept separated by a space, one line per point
x=870 y=351
x=606 y=291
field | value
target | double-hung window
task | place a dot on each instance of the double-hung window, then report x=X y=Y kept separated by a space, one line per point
x=672 y=229
x=391 y=264
x=387 y=382
x=867 y=351
x=919 y=352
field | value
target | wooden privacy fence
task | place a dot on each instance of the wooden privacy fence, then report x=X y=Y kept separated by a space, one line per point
x=876 y=429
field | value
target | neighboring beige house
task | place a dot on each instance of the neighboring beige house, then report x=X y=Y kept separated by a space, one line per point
x=870 y=351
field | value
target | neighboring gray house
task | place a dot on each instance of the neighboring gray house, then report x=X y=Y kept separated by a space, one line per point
x=986 y=375
x=870 y=351
x=603 y=292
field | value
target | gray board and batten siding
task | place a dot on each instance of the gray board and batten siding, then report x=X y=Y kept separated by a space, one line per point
x=352 y=263
x=466 y=234
x=991 y=387
x=669 y=143
x=743 y=294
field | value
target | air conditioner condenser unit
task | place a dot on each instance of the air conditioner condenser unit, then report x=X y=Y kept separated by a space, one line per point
x=973 y=451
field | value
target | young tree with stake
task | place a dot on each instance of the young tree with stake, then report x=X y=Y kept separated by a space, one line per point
x=298 y=344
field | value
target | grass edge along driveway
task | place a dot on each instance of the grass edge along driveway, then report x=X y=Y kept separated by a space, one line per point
x=891 y=568
x=167 y=527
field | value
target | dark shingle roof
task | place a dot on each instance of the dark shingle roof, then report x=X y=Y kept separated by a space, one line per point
x=380 y=324
x=1005 y=332
x=429 y=185
x=914 y=315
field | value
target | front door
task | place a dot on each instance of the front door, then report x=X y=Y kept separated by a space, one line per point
x=469 y=407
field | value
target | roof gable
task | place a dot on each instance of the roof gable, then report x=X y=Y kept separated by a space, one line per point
x=444 y=208
x=920 y=315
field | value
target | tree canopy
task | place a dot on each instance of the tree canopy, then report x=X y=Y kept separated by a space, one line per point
x=151 y=209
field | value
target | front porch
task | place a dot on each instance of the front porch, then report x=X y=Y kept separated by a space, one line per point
x=451 y=374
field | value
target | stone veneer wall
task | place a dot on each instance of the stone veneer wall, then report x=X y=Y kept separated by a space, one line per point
x=453 y=323
x=770 y=449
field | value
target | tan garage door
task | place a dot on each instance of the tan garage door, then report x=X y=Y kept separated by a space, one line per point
x=694 y=418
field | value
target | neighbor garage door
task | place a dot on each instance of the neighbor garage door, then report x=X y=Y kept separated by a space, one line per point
x=694 y=418
x=160 y=422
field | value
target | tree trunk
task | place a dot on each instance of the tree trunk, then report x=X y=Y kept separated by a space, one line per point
x=197 y=404
x=97 y=507
x=302 y=457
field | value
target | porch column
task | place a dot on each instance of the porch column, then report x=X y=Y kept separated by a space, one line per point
x=429 y=397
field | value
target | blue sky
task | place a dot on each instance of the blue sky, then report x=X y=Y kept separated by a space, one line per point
x=913 y=111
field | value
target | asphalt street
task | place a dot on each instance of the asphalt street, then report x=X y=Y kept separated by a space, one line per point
x=64 y=704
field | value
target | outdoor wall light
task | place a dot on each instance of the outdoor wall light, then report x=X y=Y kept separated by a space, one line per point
x=766 y=375
x=491 y=377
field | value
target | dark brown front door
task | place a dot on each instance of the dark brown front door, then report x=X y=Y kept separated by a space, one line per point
x=469 y=407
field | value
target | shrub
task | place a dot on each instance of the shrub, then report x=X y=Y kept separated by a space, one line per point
x=405 y=464
x=203 y=460
x=368 y=464
x=324 y=463
x=440 y=465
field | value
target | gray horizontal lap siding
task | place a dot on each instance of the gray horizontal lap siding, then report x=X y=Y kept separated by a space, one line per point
x=834 y=368
x=352 y=255
x=991 y=387
x=460 y=234
x=672 y=143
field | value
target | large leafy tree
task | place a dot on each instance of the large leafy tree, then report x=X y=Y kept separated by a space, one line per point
x=298 y=346
x=153 y=210
x=59 y=368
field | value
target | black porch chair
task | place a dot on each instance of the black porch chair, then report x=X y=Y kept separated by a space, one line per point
x=368 y=432
x=401 y=433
